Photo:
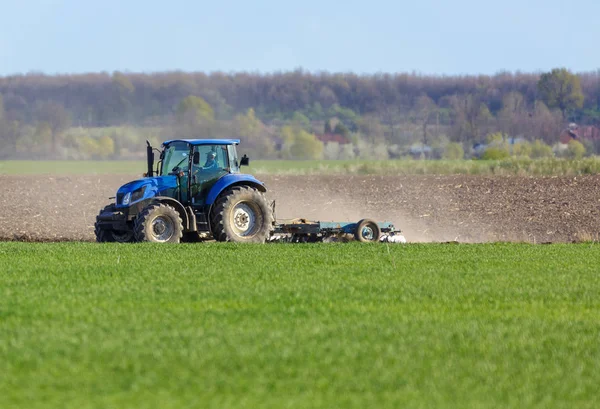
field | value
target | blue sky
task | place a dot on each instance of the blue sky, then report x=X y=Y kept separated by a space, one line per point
x=426 y=36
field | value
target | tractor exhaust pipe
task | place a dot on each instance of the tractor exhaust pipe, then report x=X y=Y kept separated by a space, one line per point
x=150 y=157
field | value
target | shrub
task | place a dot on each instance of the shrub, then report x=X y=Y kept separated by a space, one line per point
x=453 y=151
x=306 y=146
x=522 y=149
x=540 y=150
x=496 y=153
x=575 y=150
x=106 y=147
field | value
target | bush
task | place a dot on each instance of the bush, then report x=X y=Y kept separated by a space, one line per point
x=453 y=151
x=522 y=149
x=575 y=150
x=496 y=153
x=540 y=150
x=495 y=138
x=306 y=146
x=89 y=146
x=106 y=147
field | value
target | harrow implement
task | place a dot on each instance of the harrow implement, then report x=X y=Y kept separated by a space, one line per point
x=308 y=231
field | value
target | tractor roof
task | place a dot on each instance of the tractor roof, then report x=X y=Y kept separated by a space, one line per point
x=205 y=141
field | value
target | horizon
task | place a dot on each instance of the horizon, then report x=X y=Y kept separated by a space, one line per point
x=34 y=73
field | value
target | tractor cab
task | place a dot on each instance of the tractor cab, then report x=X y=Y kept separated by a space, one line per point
x=198 y=164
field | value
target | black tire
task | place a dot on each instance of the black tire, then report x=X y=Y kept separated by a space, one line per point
x=367 y=231
x=241 y=214
x=109 y=235
x=158 y=223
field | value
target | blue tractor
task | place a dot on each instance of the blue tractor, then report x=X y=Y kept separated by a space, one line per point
x=196 y=191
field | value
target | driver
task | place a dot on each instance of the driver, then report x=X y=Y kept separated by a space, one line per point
x=211 y=163
x=204 y=173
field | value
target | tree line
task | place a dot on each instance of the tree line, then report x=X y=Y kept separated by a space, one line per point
x=379 y=115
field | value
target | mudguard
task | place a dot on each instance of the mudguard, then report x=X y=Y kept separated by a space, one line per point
x=185 y=217
x=232 y=179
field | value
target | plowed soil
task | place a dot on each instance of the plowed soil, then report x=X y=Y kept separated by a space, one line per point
x=426 y=208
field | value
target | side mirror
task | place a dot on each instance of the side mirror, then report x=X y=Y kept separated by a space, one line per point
x=245 y=161
x=196 y=158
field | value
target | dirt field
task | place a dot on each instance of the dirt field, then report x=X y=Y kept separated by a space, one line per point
x=426 y=208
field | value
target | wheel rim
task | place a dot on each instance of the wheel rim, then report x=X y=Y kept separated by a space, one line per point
x=244 y=219
x=367 y=233
x=162 y=228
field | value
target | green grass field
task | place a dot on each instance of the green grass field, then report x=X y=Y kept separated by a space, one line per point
x=85 y=325
x=523 y=167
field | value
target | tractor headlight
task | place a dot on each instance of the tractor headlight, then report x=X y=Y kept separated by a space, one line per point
x=126 y=198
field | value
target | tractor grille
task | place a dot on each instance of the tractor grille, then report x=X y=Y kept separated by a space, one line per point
x=120 y=198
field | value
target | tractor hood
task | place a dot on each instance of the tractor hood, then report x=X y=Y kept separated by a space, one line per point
x=145 y=188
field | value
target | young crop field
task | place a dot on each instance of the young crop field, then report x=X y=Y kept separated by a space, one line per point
x=214 y=325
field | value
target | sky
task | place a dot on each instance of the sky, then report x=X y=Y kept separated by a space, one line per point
x=459 y=37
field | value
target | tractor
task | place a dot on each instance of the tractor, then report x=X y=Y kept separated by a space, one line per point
x=196 y=191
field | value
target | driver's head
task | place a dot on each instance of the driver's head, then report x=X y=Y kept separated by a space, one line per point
x=210 y=156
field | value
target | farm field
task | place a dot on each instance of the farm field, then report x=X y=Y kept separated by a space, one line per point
x=85 y=325
x=507 y=167
x=438 y=208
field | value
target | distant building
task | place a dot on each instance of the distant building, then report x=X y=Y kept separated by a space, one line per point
x=578 y=133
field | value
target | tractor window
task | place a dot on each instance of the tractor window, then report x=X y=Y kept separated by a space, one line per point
x=233 y=160
x=212 y=158
x=214 y=163
x=176 y=154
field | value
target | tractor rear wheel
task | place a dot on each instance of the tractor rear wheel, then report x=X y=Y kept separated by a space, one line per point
x=158 y=223
x=367 y=230
x=241 y=214
x=109 y=235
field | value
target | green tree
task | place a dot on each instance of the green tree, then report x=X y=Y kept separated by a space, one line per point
x=561 y=89
x=106 y=147
x=540 y=150
x=575 y=150
x=306 y=146
x=345 y=114
x=196 y=109
x=301 y=120
x=522 y=149
x=316 y=111
x=341 y=129
x=252 y=131
x=453 y=151
x=196 y=118
x=496 y=153
x=89 y=147
x=328 y=129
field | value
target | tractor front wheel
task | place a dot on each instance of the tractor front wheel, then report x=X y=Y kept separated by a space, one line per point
x=242 y=215
x=109 y=235
x=158 y=223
